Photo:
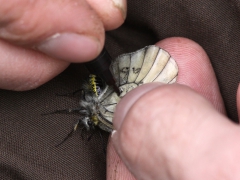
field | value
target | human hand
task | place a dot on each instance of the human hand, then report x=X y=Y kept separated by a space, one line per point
x=175 y=131
x=38 y=39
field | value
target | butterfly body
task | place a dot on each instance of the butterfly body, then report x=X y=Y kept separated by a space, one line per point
x=149 y=64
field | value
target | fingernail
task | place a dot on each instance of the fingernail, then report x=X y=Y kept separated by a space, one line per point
x=115 y=141
x=71 y=47
x=113 y=135
x=122 y=6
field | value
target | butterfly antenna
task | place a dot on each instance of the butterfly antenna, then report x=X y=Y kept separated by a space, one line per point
x=69 y=134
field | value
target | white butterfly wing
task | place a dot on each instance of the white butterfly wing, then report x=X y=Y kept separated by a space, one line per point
x=149 y=64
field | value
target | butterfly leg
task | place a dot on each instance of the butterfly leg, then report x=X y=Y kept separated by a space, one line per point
x=69 y=134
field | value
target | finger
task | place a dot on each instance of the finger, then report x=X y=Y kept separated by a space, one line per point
x=193 y=69
x=117 y=167
x=238 y=101
x=73 y=32
x=24 y=69
x=179 y=129
x=69 y=30
x=107 y=8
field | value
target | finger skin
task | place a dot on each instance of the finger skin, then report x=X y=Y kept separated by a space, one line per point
x=23 y=69
x=37 y=23
x=117 y=167
x=31 y=21
x=107 y=8
x=69 y=30
x=195 y=71
x=180 y=135
x=238 y=102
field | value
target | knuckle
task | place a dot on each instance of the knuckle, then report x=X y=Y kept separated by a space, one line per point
x=27 y=23
x=20 y=21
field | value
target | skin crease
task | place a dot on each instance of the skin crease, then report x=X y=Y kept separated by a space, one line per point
x=175 y=131
x=74 y=34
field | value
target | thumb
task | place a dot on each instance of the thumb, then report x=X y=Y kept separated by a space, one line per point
x=171 y=132
x=71 y=30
